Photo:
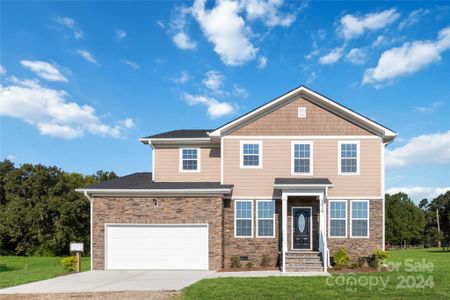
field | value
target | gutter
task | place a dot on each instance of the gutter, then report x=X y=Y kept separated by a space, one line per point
x=162 y=192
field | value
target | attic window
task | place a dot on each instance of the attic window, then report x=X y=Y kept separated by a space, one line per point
x=302 y=112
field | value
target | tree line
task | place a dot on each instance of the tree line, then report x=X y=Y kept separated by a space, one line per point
x=40 y=212
x=426 y=224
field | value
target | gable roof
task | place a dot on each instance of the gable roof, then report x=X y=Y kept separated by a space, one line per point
x=316 y=98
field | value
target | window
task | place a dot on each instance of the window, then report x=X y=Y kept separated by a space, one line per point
x=251 y=153
x=348 y=158
x=360 y=218
x=337 y=226
x=265 y=215
x=189 y=160
x=243 y=212
x=302 y=112
x=302 y=158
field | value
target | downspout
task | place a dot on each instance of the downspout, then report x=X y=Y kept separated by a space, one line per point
x=91 y=202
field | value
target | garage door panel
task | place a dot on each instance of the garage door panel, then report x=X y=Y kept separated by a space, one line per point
x=157 y=247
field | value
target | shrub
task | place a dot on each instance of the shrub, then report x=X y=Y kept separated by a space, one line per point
x=340 y=258
x=249 y=265
x=265 y=261
x=69 y=263
x=379 y=257
x=362 y=261
x=235 y=262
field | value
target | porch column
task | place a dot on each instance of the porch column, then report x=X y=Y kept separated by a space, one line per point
x=284 y=206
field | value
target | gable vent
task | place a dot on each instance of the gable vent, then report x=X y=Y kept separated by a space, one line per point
x=302 y=112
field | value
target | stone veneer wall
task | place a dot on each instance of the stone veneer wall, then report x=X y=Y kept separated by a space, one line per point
x=361 y=247
x=168 y=211
x=254 y=247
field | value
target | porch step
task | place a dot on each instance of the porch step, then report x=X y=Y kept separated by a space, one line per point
x=304 y=262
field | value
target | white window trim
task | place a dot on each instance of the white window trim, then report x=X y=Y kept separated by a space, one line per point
x=358 y=154
x=368 y=220
x=299 y=112
x=258 y=218
x=260 y=155
x=181 y=160
x=311 y=155
x=235 y=219
x=329 y=219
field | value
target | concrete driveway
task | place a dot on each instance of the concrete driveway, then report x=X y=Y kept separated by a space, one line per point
x=112 y=281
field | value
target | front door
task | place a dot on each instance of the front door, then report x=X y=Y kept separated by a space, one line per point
x=301 y=229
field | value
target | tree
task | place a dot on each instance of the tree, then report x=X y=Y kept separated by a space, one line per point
x=404 y=220
x=40 y=212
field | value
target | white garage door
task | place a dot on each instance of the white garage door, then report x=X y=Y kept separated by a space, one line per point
x=156 y=246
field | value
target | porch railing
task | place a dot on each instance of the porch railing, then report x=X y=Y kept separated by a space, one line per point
x=323 y=249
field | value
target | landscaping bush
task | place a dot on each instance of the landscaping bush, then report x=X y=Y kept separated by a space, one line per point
x=249 y=265
x=340 y=258
x=265 y=261
x=235 y=262
x=69 y=263
x=379 y=258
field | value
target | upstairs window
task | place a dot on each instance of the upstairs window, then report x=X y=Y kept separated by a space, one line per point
x=348 y=158
x=302 y=158
x=360 y=218
x=189 y=160
x=251 y=153
x=243 y=221
x=338 y=218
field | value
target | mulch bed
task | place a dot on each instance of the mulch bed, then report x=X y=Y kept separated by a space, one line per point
x=364 y=269
x=248 y=269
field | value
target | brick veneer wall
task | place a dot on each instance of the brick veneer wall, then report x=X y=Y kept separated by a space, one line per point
x=254 y=247
x=361 y=247
x=168 y=211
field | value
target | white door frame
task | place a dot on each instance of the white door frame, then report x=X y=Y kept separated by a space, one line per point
x=310 y=228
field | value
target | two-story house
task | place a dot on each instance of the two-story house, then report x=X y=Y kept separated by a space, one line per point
x=291 y=182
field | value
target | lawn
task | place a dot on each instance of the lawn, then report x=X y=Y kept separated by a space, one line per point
x=422 y=274
x=15 y=270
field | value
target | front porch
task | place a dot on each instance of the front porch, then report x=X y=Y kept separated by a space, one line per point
x=303 y=224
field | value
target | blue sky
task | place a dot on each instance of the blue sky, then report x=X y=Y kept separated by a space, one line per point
x=82 y=81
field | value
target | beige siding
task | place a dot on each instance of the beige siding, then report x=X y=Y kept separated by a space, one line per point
x=167 y=162
x=285 y=121
x=276 y=162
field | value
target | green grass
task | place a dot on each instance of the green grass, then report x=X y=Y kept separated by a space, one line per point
x=15 y=270
x=317 y=287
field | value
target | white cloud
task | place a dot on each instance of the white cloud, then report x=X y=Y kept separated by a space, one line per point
x=132 y=64
x=183 y=41
x=2 y=70
x=352 y=26
x=428 y=149
x=428 y=109
x=240 y=91
x=216 y=109
x=183 y=78
x=332 y=57
x=413 y=18
x=262 y=62
x=226 y=29
x=268 y=12
x=65 y=21
x=11 y=157
x=161 y=24
x=357 y=56
x=88 y=56
x=214 y=81
x=120 y=34
x=51 y=112
x=44 y=70
x=418 y=193
x=70 y=24
x=408 y=59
